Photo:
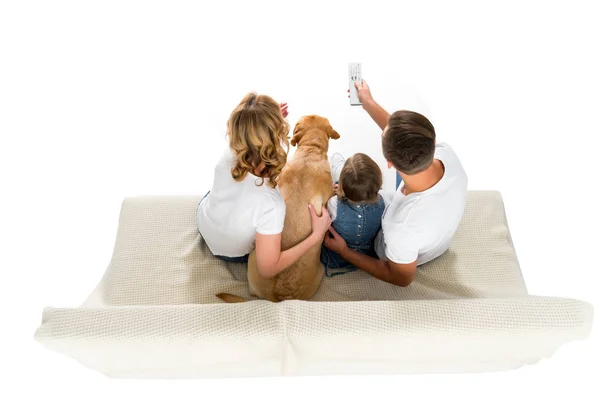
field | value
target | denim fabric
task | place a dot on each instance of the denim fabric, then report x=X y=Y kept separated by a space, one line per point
x=241 y=259
x=398 y=179
x=358 y=224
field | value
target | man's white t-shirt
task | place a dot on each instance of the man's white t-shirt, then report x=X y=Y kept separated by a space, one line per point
x=420 y=226
x=233 y=212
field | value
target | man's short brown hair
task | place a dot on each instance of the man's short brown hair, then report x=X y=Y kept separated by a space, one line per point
x=360 y=179
x=409 y=142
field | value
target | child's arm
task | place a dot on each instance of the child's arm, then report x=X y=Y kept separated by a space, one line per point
x=270 y=260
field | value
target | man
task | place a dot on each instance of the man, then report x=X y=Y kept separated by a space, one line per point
x=425 y=211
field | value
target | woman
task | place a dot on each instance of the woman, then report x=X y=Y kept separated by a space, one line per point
x=244 y=210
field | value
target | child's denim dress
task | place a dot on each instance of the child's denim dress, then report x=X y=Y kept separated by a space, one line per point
x=358 y=224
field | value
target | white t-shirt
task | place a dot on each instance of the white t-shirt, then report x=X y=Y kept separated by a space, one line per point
x=233 y=212
x=420 y=226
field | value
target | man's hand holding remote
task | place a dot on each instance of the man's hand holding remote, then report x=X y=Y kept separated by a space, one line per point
x=364 y=93
x=379 y=115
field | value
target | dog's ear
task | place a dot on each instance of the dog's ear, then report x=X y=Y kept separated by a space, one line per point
x=298 y=133
x=333 y=133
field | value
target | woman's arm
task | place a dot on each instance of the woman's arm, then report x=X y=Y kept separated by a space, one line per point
x=270 y=260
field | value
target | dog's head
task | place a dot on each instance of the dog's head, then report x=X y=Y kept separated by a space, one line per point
x=313 y=130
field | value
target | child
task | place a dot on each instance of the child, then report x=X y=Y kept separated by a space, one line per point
x=357 y=209
x=244 y=210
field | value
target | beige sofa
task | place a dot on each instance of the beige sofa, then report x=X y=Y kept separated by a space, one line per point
x=155 y=315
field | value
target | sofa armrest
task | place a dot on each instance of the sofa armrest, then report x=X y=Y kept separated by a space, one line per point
x=260 y=338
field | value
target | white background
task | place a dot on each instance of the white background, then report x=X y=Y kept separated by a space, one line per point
x=103 y=100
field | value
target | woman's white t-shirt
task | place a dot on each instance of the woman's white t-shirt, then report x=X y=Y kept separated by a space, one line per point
x=233 y=212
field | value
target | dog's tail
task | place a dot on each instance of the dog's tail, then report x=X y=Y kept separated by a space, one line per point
x=231 y=298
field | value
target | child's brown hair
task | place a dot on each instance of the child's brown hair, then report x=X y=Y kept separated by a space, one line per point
x=360 y=179
x=257 y=135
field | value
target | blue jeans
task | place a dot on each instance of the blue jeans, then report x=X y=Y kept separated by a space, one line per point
x=334 y=263
x=398 y=180
x=241 y=259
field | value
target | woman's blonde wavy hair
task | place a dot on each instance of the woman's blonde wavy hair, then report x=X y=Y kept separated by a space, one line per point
x=257 y=135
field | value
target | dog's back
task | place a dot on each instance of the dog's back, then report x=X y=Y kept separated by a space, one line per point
x=305 y=179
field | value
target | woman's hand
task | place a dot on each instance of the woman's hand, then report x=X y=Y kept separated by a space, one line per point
x=335 y=242
x=284 y=109
x=319 y=224
x=270 y=260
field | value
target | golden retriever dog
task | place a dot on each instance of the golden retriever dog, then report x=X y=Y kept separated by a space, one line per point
x=306 y=178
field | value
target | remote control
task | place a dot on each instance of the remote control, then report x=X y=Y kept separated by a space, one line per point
x=354 y=75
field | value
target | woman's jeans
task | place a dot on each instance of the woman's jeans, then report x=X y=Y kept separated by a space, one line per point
x=241 y=259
